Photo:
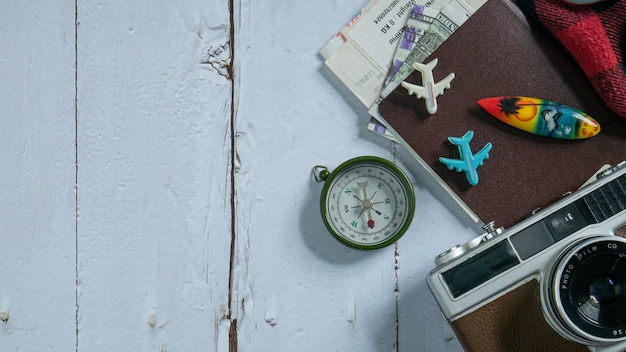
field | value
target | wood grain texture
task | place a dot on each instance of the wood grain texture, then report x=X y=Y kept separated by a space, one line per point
x=154 y=176
x=37 y=159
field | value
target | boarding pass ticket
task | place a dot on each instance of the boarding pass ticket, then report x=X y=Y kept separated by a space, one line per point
x=363 y=53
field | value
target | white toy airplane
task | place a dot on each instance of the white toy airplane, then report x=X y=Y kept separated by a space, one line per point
x=430 y=90
x=468 y=161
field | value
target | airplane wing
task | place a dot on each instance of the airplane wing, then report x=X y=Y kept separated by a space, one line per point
x=442 y=85
x=482 y=154
x=419 y=91
x=458 y=164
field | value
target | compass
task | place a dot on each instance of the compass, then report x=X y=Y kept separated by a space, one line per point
x=367 y=202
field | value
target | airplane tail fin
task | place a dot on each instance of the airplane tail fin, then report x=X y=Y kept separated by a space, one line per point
x=467 y=137
x=426 y=67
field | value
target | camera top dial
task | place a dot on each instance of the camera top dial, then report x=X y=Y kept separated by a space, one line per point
x=459 y=250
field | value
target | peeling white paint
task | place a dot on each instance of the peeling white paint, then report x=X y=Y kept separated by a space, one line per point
x=152 y=318
x=219 y=58
x=270 y=317
x=351 y=313
x=4 y=316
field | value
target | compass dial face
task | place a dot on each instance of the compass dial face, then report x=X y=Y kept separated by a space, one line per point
x=368 y=203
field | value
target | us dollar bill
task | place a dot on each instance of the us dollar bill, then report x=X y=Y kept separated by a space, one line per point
x=451 y=17
x=420 y=18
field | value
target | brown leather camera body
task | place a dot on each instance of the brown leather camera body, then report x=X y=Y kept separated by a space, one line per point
x=514 y=323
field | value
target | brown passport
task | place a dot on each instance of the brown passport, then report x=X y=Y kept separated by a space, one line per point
x=497 y=52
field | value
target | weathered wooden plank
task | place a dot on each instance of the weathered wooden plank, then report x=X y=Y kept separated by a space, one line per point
x=154 y=175
x=297 y=288
x=37 y=159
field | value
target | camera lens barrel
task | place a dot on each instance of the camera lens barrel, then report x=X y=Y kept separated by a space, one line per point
x=587 y=292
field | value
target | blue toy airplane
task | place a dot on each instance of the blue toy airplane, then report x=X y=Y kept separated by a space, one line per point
x=467 y=162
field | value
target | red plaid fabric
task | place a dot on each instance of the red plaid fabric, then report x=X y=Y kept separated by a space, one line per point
x=595 y=36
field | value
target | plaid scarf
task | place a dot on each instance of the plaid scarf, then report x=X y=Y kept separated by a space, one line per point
x=596 y=38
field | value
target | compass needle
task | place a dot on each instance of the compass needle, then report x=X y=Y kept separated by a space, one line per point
x=366 y=203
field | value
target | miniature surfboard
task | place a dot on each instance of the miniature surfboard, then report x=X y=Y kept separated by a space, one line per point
x=541 y=117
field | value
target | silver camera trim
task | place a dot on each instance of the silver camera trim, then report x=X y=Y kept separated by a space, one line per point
x=535 y=267
x=549 y=293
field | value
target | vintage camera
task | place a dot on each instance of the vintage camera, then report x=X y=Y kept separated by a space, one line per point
x=556 y=281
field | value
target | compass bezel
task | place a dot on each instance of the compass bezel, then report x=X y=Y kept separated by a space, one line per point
x=392 y=170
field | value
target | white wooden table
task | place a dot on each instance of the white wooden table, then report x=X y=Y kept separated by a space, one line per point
x=156 y=188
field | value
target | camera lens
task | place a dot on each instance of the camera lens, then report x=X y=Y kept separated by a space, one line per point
x=589 y=289
x=604 y=290
x=596 y=290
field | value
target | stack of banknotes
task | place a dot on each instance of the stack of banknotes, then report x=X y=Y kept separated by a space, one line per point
x=375 y=52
